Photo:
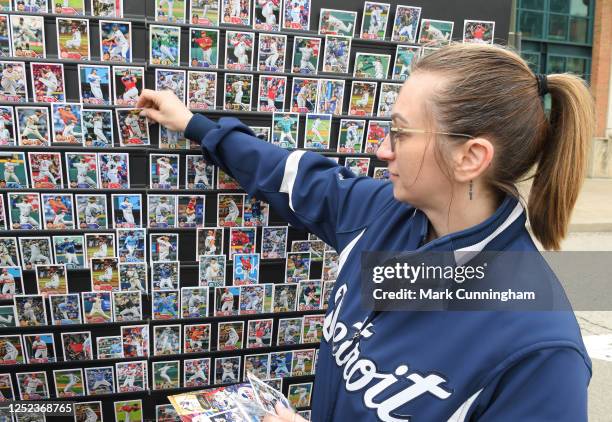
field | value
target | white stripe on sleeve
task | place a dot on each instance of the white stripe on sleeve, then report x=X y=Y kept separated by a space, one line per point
x=291 y=169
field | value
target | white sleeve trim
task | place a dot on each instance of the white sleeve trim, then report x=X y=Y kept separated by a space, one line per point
x=462 y=412
x=291 y=169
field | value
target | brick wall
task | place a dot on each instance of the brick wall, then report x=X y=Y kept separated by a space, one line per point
x=602 y=58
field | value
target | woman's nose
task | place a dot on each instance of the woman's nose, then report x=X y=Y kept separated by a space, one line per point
x=384 y=152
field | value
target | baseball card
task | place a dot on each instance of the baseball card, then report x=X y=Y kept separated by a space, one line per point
x=359 y=166
x=5 y=36
x=209 y=241
x=73 y=38
x=227 y=301
x=39 y=348
x=165 y=45
x=116 y=41
x=77 y=346
x=107 y=8
x=6 y=388
x=199 y=174
x=337 y=22
x=69 y=7
x=127 y=306
x=91 y=211
x=131 y=376
x=13 y=84
x=406 y=24
x=34 y=250
x=114 y=170
x=267 y=397
x=252 y=299
x=6 y=5
x=191 y=209
x=33 y=126
x=87 y=411
x=94 y=84
x=100 y=380
x=166 y=340
x=28 y=35
x=7 y=126
x=478 y=32
x=318 y=131
x=257 y=365
x=313 y=328
x=309 y=295
x=299 y=394
x=259 y=334
x=99 y=246
x=405 y=55
x=196 y=372
x=330 y=265
x=271 y=53
x=371 y=66
x=243 y=240
x=133 y=128
x=227 y=370
x=374 y=22
x=24 y=210
x=285 y=297
x=315 y=247
x=98 y=128
x=271 y=93
x=109 y=347
x=297 y=266
x=104 y=274
x=128 y=83
x=285 y=130
x=230 y=210
x=46 y=170
x=7 y=317
x=387 y=98
x=280 y=364
x=256 y=212
x=194 y=302
x=170 y=139
x=377 y=132
x=48 y=82
x=238 y=91
x=11 y=349
x=350 y=136
x=201 y=90
x=204 y=12
x=266 y=15
x=245 y=269
x=203 y=47
x=165 y=304
x=274 y=242
x=32 y=385
x=306 y=55
x=173 y=80
x=65 y=309
x=127 y=210
x=69 y=382
x=211 y=270
x=133 y=276
x=303 y=362
x=289 y=331
x=51 y=279
x=161 y=211
x=165 y=275
x=330 y=96
x=296 y=14
x=172 y=11
x=131 y=245
x=231 y=335
x=363 y=95
x=164 y=171
x=239 y=48
x=67 y=123
x=381 y=173
x=328 y=287
x=13 y=171
x=196 y=338
x=166 y=374
x=3 y=224
x=262 y=132
x=135 y=340
x=435 y=33
x=225 y=181
x=11 y=280
x=164 y=246
x=236 y=12
x=336 y=54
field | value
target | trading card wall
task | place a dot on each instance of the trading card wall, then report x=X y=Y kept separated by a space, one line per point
x=77 y=346
x=6 y=388
x=161 y=211
x=359 y=166
x=267 y=15
x=133 y=276
x=12 y=350
x=199 y=174
x=51 y=279
x=87 y=410
x=33 y=385
x=350 y=136
x=116 y=41
x=30 y=310
x=13 y=172
x=242 y=240
x=69 y=382
x=371 y=66
x=165 y=275
x=13 y=85
x=166 y=374
x=227 y=370
x=165 y=304
x=196 y=338
x=104 y=274
x=99 y=246
x=256 y=212
x=28 y=36
x=209 y=241
x=196 y=372
x=204 y=12
x=73 y=38
x=164 y=246
x=127 y=306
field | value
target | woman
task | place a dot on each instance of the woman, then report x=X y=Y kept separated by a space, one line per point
x=467 y=125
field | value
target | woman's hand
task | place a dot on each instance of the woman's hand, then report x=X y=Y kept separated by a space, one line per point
x=165 y=108
x=284 y=415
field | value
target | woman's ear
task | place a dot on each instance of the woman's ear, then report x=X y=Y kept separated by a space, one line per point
x=472 y=159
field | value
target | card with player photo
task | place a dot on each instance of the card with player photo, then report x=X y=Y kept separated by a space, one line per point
x=33 y=385
x=109 y=347
x=194 y=302
x=285 y=297
x=73 y=38
x=296 y=15
x=33 y=126
x=225 y=181
x=11 y=281
x=196 y=338
x=166 y=340
x=133 y=128
x=313 y=328
x=98 y=128
x=131 y=245
x=259 y=334
x=406 y=24
x=165 y=275
x=262 y=132
x=337 y=22
x=209 y=241
x=115 y=41
x=271 y=53
x=203 y=47
x=196 y=372
x=238 y=91
x=94 y=84
x=202 y=90
x=230 y=335
x=166 y=374
x=227 y=370
x=257 y=365
x=297 y=266
x=69 y=382
x=39 y=347
x=84 y=411
x=227 y=301
x=245 y=269
x=299 y=394
x=274 y=242
x=371 y=66
x=381 y=173
x=127 y=210
x=100 y=380
x=309 y=295
x=303 y=362
x=35 y=6
x=199 y=174
x=271 y=93
x=350 y=136
x=164 y=246
x=164 y=171
x=363 y=95
x=377 y=132
x=328 y=287
x=46 y=170
x=135 y=340
x=133 y=276
x=24 y=210
x=267 y=15
x=81 y=170
x=5 y=36
x=405 y=56
x=239 y=49
x=173 y=80
x=359 y=166
x=318 y=131
x=280 y=364
x=8 y=251
x=170 y=139
x=114 y=170
x=256 y=212
x=104 y=274
x=99 y=246
x=306 y=52
x=6 y=388
x=48 y=82
x=3 y=217
x=374 y=22
x=243 y=240
x=77 y=346
x=191 y=209
x=289 y=331
x=478 y=32
x=131 y=376
x=51 y=279
x=12 y=349
x=161 y=211
x=267 y=397
x=330 y=265
x=128 y=82
x=236 y=12
x=164 y=45
x=330 y=96
x=67 y=123
x=436 y=33
x=336 y=54
x=172 y=11
x=315 y=247
x=91 y=211
x=7 y=126
x=106 y=8
x=69 y=7
x=65 y=309
x=285 y=130
x=204 y=12
x=230 y=210
x=13 y=85
x=165 y=304
x=387 y=98
x=13 y=170
x=252 y=299
x=35 y=250
x=127 y=306
x=28 y=36
x=211 y=270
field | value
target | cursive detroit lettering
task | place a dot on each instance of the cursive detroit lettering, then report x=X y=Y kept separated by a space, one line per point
x=360 y=373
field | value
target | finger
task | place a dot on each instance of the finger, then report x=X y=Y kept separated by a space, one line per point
x=270 y=418
x=152 y=114
x=284 y=412
x=147 y=96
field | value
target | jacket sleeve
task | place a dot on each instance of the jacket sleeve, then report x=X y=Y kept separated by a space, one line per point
x=306 y=189
x=549 y=385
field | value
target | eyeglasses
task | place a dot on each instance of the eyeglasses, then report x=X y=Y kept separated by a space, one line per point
x=395 y=131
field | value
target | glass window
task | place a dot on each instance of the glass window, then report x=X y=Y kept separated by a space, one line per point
x=557 y=27
x=577 y=66
x=530 y=24
x=579 y=7
x=533 y=60
x=533 y=4
x=579 y=30
x=556 y=64
x=559 y=6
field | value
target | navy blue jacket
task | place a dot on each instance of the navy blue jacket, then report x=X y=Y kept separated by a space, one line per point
x=408 y=366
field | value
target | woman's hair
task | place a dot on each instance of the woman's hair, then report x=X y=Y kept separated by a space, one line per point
x=491 y=92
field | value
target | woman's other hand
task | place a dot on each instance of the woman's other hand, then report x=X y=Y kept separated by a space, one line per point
x=165 y=108
x=284 y=415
